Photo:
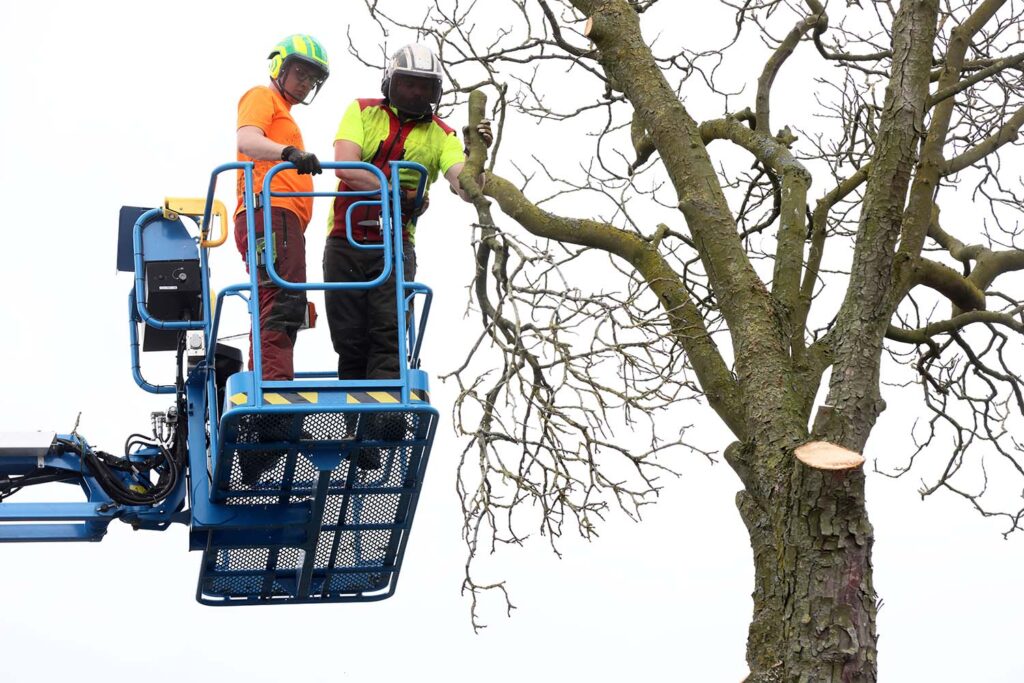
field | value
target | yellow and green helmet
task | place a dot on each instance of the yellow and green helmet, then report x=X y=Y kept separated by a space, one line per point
x=301 y=47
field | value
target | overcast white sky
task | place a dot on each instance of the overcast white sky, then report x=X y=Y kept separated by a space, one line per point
x=124 y=103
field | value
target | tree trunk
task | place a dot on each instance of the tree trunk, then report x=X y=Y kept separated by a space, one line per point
x=814 y=603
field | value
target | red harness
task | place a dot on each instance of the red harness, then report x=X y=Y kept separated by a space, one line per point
x=366 y=219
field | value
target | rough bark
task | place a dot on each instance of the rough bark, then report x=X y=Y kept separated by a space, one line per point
x=868 y=306
x=814 y=615
x=831 y=628
x=814 y=605
x=761 y=347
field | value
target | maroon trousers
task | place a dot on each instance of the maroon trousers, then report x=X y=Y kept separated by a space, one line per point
x=282 y=311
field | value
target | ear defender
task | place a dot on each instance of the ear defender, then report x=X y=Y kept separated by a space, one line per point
x=276 y=60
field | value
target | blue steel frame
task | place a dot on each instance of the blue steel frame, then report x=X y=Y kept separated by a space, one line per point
x=218 y=527
x=392 y=244
x=81 y=521
x=88 y=521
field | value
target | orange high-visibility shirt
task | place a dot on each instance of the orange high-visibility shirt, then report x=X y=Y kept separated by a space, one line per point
x=264 y=108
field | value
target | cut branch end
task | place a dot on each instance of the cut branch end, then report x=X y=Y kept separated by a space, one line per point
x=823 y=455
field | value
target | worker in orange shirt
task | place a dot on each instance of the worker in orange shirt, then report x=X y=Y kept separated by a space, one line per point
x=267 y=135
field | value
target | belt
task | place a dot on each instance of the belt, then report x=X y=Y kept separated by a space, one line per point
x=367 y=232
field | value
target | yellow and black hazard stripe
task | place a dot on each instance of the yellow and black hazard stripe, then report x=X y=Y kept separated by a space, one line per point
x=284 y=398
x=361 y=397
x=279 y=398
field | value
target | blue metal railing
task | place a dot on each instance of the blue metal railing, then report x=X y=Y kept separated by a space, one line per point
x=133 y=336
x=391 y=248
x=137 y=298
x=387 y=199
x=140 y=283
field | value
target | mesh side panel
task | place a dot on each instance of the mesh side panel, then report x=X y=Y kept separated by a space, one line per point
x=382 y=450
x=329 y=426
x=325 y=543
x=283 y=477
x=357 y=582
x=244 y=571
x=373 y=508
x=390 y=426
x=264 y=427
x=370 y=547
x=388 y=467
x=339 y=475
x=231 y=559
x=290 y=558
x=361 y=509
x=361 y=548
x=273 y=472
x=252 y=500
x=230 y=586
x=324 y=548
x=398 y=473
x=285 y=468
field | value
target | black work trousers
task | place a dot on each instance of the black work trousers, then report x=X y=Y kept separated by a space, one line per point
x=364 y=322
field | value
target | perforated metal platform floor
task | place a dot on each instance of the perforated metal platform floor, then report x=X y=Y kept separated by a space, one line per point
x=356 y=476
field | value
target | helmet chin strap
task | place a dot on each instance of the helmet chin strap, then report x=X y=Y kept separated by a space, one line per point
x=279 y=82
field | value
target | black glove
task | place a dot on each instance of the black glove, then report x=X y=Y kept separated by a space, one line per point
x=409 y=208
x=305 y=162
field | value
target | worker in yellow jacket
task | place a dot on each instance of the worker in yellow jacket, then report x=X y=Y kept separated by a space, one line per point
x=403 y=125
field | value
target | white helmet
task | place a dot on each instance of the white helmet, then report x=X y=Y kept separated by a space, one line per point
x=412 y=80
